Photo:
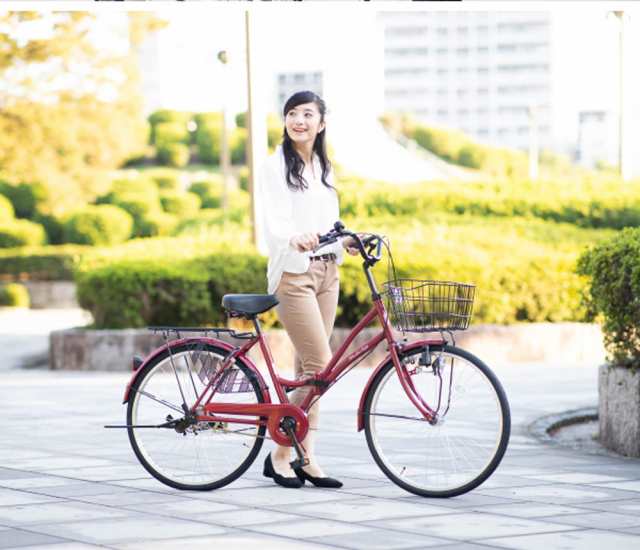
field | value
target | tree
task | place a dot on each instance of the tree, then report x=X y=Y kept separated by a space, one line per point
x=69 y=110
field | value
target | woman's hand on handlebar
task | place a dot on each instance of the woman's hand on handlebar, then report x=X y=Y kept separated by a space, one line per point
x=305 y=241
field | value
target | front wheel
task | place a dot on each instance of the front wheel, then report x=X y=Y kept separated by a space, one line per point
x=467 y=443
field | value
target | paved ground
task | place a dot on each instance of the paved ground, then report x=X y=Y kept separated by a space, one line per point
x=67 y=483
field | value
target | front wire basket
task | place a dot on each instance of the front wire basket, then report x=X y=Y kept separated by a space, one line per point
x=429 y=306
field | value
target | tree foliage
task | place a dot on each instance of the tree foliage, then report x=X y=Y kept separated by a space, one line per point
x=69 y=110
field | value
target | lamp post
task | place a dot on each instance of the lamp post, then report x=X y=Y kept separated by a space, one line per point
x=225 y=161
x=620 y=17
x=533 y=143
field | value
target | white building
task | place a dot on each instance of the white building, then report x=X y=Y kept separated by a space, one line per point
x=479 y=72
x=288 y=83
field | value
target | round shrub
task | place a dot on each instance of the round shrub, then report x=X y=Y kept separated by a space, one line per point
x=98 y=225
x=209 y=142
x=53 y=225
x=209 y=191
x=166 y=179
x=173 y=154
x=14 y=295
x=181 y=204
x=123 y=189
x=21 y=233
x=613 y=294
x=167 y=116
x=168 y=133
x=238 y=146
x=156 y=224
x=6 y=208
x=243 y=178
x=25 y=197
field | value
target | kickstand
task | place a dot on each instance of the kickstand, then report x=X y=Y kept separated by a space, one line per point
x=300 y=461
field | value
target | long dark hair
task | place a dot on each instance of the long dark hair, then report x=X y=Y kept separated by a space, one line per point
x=293 y=161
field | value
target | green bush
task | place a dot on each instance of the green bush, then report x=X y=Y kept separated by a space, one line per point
x=14 y=295
x=21 y=233
x=209 y=191
x=243 y=178
x=169 y=133
x=164 y=116
x=173 y=154
x=238 y=146
x=156 y=224
x=613 y=294
x=53 y=226
x=166 y=180
x=98 y=225
x=25 y=197
x=138 y=294
x=180 y=204
x=47 y=263
x=142 y=188
x=208 y=140
x=241 y=120
x=6 y=208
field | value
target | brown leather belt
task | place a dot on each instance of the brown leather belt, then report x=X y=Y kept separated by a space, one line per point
x=324 y=258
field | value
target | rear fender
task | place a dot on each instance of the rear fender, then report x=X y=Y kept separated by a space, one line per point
x=214 y=342
x=404 y=350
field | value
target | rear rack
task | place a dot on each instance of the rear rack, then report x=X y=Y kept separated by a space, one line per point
x=217 y=331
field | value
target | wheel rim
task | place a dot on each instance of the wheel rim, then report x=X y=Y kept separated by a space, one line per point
x=458 y=450
x=204 y=454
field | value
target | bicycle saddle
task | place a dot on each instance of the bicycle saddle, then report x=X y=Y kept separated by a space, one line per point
x=248 y=304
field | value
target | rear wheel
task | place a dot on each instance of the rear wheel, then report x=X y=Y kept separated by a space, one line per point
x=188 y=454
x=467 y=443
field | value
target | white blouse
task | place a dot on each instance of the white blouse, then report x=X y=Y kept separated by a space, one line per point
x=286 y=213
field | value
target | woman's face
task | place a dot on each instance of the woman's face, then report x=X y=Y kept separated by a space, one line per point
x=303 y=123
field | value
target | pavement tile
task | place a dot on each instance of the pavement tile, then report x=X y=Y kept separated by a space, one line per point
x=601 y=520
x=470 y=526
x=78 y=489
x=130 y=529
x=17 y=538
x=530 y=510
x=577 y=477
x=9 y=497
x=7 y=474
x=228 y=542
x=383 y=540
x=58 y=512
x=630 y=506
x=622 y=485
x=310 y=528
x=36 y=482
x=589 y=539
x=242 y=517
x=182 y=508
x=558 y=494
x=63 y=546
x=368 y=509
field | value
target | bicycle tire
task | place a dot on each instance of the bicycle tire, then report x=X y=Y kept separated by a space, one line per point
x=407 y=462
x=141 y=448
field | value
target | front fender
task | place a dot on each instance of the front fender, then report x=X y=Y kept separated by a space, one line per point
x=402 y=351
x=213 y=341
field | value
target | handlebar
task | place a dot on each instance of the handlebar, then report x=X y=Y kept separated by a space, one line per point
x=371 y=242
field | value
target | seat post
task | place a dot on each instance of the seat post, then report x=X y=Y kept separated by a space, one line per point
x=256 y=324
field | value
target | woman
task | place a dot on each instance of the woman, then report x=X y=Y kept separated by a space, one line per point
x=299 y=202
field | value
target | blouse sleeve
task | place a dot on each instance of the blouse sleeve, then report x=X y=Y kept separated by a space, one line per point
x=277 y=209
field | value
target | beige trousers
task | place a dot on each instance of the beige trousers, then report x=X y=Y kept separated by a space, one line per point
x=307 y=310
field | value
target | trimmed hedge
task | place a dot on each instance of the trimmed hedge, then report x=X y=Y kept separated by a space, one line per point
x=14 y=295
x=98 y=225
x=157 y=224
x=17 y=232
x=209 y=191
x=176 y=155
x=180 y=204
x=48 y=263
x=25 y=197
x=6 y=208
x=613 y=294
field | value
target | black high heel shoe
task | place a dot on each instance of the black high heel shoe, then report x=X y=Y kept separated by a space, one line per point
x=288 y=482
x=326 y=482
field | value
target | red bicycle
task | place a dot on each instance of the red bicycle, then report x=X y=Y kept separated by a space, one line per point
x=436 y=418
